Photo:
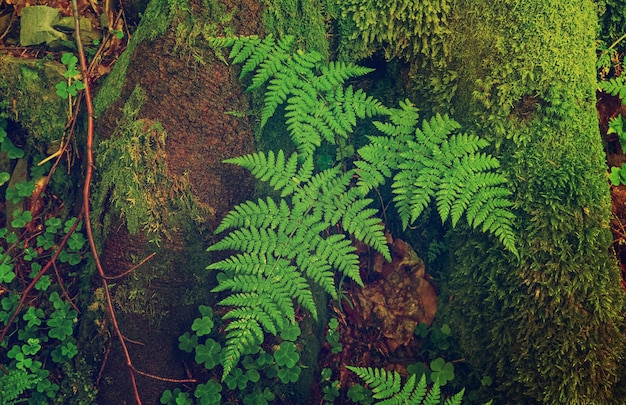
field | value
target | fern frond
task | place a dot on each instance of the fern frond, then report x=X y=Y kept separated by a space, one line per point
x=365 y=226
x=241 y=335
x=387 y=386
x=434 y=395
x=338 y=252
x=256 y=308
x=436 y=162
x=318 y=106
x=273 y=168
x=456 y=399
x=259 y=55
x=384 y=384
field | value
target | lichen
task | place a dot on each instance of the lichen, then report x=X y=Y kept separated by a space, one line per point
x=135 y=177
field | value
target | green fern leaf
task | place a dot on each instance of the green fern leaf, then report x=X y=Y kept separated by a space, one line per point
x=387 y=386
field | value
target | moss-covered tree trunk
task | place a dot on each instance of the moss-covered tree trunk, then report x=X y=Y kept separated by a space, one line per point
x=163 y=128
x=547 y=327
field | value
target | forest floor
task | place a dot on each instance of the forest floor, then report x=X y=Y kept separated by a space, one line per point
x=610 y=107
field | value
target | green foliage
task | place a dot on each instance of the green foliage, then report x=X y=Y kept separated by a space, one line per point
x=615 y=86
x=539 y=108
x=436 y=162
x=13 y=152
x=302 y=19
x=136 y=177
x=14 y=383
x=330 y=387
x=40 y=347
x=387 y=387
x=617 y=176
x=332 y=336
x=73 y=84
x=319 y=106
x=441 y=371
x=406 y=29
x=285 y=246
x=302 y=238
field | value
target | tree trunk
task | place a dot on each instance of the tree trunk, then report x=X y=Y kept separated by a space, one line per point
x=164 y=127
x=548 y=328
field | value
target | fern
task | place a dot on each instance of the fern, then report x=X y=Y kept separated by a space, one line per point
x=615 y=86
x=285 y=246
x=387 y=387
x=302 y=239
x=319 y=108
x=435 y=162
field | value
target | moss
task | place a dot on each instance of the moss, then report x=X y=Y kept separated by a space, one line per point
x=304 y=19
x=551 y=322
x=156 y=20
x=409 y=30
x=28 y=88
x=135 y=178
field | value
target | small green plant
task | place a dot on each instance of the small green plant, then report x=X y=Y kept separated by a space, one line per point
x=330 y=387
x=41 y=346
x=617 y=126
x=73 y=84
x=332 y=336
x=360 y=395
x=617 y=176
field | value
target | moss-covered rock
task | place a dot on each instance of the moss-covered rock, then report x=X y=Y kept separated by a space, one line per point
x=29 y=96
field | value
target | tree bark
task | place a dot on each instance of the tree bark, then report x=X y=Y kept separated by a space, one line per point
x=163 y=111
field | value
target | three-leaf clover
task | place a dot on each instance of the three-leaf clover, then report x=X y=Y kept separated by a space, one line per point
x=208 y=353
x=291 y=374
x=442 y=371
x=187 y=342
x=291 y=333
x=202 y=326
x=209 y=393
x=286 y=355
x=21 y=218
x=6 y=273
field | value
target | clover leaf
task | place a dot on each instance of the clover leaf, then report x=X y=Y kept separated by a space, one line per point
x=20 y=219
x=286 y=355
x=202 y=326
x=209 y=393
x=291 y=374
x=76 y=241
x=208 y=353
x=6 y=273
x=33 y=316
x=236 y=379
x=290 y=333
x=442 y=371
x=187 y=342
